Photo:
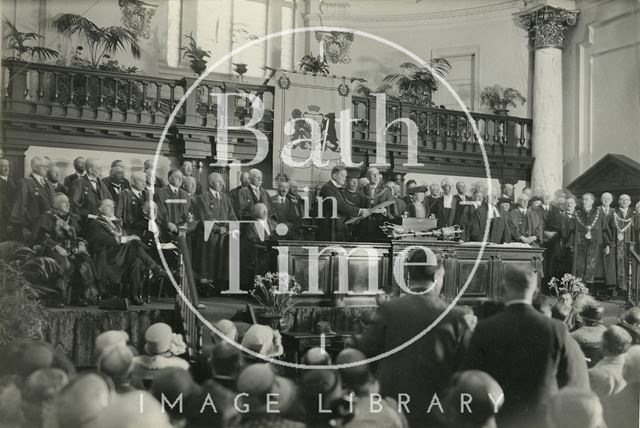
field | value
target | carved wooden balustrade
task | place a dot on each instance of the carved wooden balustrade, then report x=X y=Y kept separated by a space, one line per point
x=69 y=102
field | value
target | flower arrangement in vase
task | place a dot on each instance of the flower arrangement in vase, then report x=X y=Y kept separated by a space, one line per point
x=567 y=288
x=275 y=303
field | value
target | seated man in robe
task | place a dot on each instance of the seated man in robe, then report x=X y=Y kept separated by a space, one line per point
x=284 y=210
x=55 y=236
x=119 y=257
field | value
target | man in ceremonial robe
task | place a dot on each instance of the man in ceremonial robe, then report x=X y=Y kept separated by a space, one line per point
x=295 y=197
x=609 y=260
x=498 y=227
x=568 y=222
x=431 y=201
x=8 y=189
x=333 y=228
x=446 y=206
x=397 y=209
x=173 y=202
x=251 y=195
x=459 y=197
x=116 y=182
x=257 y=254
x=234 y=194
x=213 y=205
x=592 y=240
x=78 y=166
x=87 y=192
x=33 y=199
x=130 y=203
x=119 y=257
x=621 y=225
x=551 y=236
x=187 y=171
x=53 y=177
x=284 y=210
x=524 y=224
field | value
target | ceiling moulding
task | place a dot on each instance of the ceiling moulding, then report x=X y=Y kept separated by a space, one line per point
x=314 y=18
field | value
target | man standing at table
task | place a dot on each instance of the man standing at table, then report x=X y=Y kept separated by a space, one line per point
x=525 y=225
x=333 y=202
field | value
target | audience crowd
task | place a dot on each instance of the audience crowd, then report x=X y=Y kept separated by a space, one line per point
x=520 y=365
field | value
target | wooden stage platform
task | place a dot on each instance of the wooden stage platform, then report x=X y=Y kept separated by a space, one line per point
x=73 y=329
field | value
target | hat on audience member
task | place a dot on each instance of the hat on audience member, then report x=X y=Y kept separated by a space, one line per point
x=82 y=400
x=158 y=338
x=417 y=189
x=227 y=328
x=116 y=362
x=575 y=408
x=110 y=338
x=125 y=412
x=631 y=368
x=316 y=356
x=263 y=340
x=205 y=408
x=616 y=340
x=486 y=397
x=172 y=383
x=226 y=360
x=356 y=375
x=43 y=385
x=630 y=321
x=560 y=311
x=321 y=383
x=593 y=313
x=503 y=200
x=258 y=380
x=33 y=356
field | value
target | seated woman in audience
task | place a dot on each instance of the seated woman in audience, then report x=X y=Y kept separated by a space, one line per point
x=161 y=350
x=55 y=235
x=119 y=257
x=589 y=336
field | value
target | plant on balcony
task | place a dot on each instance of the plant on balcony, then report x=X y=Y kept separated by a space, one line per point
x=417 y=84
x=314 y=64
x=197 y=56
x=100 y=41
x=499 y=99
x=20 y=43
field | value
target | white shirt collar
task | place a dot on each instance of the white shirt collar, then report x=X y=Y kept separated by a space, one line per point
x=522 y=210
x=545 y=207
x=255 y=188
x=335 y=183
x=214 y=192
x=136 y=192
x=624 y=210
x=517 y=302
x=173 y=189
x=4 y=177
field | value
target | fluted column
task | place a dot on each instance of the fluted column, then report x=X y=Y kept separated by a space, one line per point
x=547 y=26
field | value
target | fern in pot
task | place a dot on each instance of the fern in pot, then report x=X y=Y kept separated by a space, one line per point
x=499 y=99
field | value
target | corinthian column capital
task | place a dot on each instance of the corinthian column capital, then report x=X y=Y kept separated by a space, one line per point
x=547 y=25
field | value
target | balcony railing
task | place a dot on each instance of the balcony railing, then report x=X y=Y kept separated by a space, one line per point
x=56 y=94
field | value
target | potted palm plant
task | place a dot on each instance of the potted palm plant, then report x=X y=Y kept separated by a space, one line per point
x=20 y=43
x=417 y=84
x=314 y=64
x=499 y=99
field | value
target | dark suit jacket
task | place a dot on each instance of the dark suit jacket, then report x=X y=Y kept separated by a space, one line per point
x=84 y=198
x=334 y=229
x=425 y=367
x=112 y=189
x=69 y=179
x=531 y=357
x=459 y=210
x=408 y=200
x=175 y=213
x=246 y=199
x=439 y=210
x=32 y=201
x=129 y=210
x=533 y=226
x=498 y=230
x=8 y=189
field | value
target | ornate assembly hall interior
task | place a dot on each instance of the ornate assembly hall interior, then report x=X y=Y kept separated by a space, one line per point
x=428 y=196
